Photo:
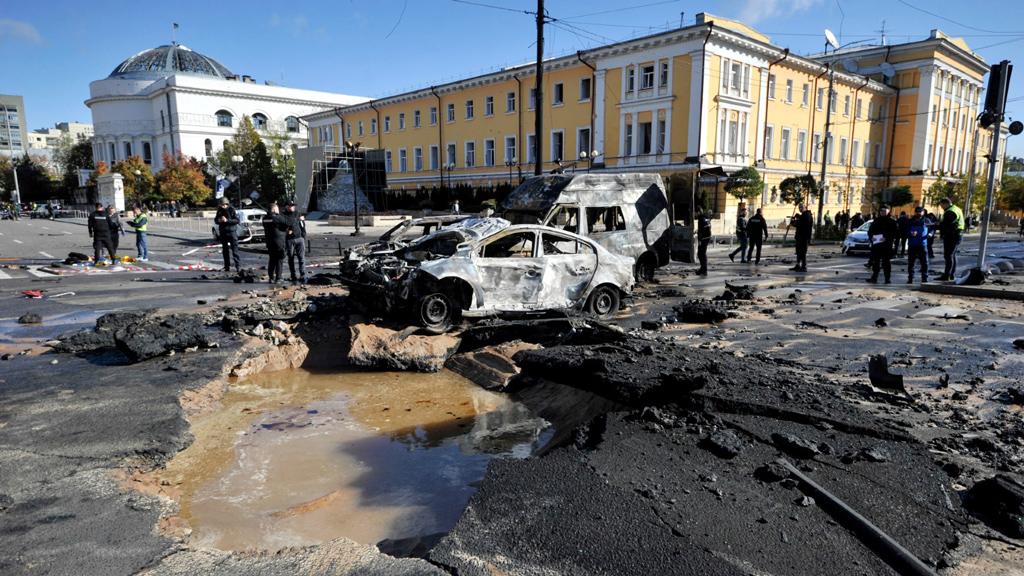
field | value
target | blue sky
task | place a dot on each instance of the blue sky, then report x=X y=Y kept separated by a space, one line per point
x=53 y=49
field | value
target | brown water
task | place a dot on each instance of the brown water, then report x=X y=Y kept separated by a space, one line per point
x=296 y=458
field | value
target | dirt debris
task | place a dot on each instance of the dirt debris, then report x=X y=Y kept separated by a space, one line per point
x=375 y=346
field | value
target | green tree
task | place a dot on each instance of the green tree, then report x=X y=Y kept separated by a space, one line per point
x=34 y=180
x=958 y=193
x=282 y=157
x=257 y=170
x=938 y=190
x=1011 y=196
x=798 y=189
x=181 y=179
x=139 y=187
x=745 y=184
x=893 y=196
x=6 y=179
x=70 y=158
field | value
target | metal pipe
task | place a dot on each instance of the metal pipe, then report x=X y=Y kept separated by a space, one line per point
x=593 y=83
x=376 y=111
x=814 y=114
x=970 y=179
x=538 y=105
x=440 y=138
x=853 y=125
x=764 y=138
x=14 y=167
x=824 y=149
x=892 y=137
x=519 y=134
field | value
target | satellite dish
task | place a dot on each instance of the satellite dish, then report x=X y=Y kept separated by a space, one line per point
x=887 y=69
x=831 y=39
x=851 y=65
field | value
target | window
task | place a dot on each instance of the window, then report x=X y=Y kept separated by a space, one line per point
x=663 y=75
x=647 y=77
x=403 y=160
x=531 y=149
x=401 y=120
x=769 y=142
x=259 y=121
x=582 y=141
x=164 y=125
x=566 y=217
x=830 y=141
x=489 y=106
x=533 y=98
x=489 y=152
x=557 y=94
x=417 y=159
x=805 y=96
x=387 y=124
x=735 y=78
x=816 y=152
x=556 y=245
x=855 y=153
x=434 y=157
x=387 y=161
x=224 y=119
x=373 y=125
x=833 y=100
x=860 y=108
x=510 y=149
x=846 y=105
x=819 y=102
x=645 y=137
x=113 y=153
x=470 y=154
x=208 y=146
x=451 y=112
x=517 y=245
x=147 y=152
x=771 y=86
x=867 y=151
x=939 y=159
x=628 y=148
x=416 y=119
x=784 y=150
x=842 y=150
x=801 y=145
x=601 y=219
x=557 y=146
x=789 y=91
x=291 y=124
x=659 y=146
x=348 y=131
x=360 y=128
x=928 y=157
x=510 y=102
x=433 y=115
x=450 y=154
x=469 y=109
x=630 y=79
x=584 y=89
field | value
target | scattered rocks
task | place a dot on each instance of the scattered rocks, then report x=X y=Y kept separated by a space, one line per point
x=999 y=502
x=701 y=312
x=378 y=347
x=154 y=337
x=737 y=292
x=491 y=367
x=1019 y=343
x=30 y=318
x=724 y=444
x=878 y=372
x=1012 y=395
x=771 y=472
x=795 y=446
x=881 y=323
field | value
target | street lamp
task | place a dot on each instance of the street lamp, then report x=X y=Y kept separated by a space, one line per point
x=285 y=152
x=450 y=166
x=138 y=190
x=352 y=148
x=511 y=164
x=240 y=169
x=589 y=157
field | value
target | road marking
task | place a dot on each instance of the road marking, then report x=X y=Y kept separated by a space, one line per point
x=45 y=254
x=18 y=242
x=4 y=275
x=192 y=251
x=66 y=232
x=46 y=227
x=35 y=272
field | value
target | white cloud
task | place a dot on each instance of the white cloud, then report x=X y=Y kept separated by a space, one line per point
x=18 y=31
x=754 y=11
x=295 y=25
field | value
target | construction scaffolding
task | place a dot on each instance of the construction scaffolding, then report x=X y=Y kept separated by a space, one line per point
x=336 y=179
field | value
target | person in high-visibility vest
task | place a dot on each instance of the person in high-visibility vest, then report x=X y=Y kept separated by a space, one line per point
x=141 y=224
x=952 y=229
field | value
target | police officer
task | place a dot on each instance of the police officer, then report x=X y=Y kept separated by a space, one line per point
x=275 y=233
x=227 y=229
x=116 y=228
x=882 y=233
x=296 y=242
x=100 y=229
x=757 y=232
x=952 y=229
x=741 y=236
x=804 y=224
x=917 y=245
x=703 y=239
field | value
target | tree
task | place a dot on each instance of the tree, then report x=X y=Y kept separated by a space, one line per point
x=745 y=184
x=894 y=196
x=1011 y=197
x=958 y=193
x=937 y=191
x=139 y=187
x=181 y=179
x=283 y=162
x=6 y=179
x=798 y=189
x=257 y=171
x=70 y=160
x=34 y=180
x=263 y=176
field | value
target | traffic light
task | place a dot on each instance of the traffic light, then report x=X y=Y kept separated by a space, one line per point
x=995 y=93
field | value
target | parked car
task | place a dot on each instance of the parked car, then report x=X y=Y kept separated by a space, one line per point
x=627 y=213
x=857 y=240
x=486 y=267
x=250 y=225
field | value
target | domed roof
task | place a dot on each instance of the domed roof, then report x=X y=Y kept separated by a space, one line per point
x=169 y=59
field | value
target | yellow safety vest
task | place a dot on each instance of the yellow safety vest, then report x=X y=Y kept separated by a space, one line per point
x=141 y=222
x=959 y=216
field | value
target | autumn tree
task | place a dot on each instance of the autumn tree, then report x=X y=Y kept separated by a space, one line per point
x=798 y=189
x=139 y=184
x=6 y=179
x=745 y=184
x=1011 y=196
x=181 y=179
x=257 y=171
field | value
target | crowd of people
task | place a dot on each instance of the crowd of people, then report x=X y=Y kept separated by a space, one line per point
x=284 y=234
x=106 y=229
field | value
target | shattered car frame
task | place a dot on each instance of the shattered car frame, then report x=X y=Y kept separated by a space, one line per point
x=404 y=233
x=486 y=267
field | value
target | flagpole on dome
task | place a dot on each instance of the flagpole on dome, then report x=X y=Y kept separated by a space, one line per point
x=174 y=31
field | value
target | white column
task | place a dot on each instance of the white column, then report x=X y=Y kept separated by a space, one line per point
x=668 y=126
x=762 y=110
x=598 y=95
x=697 y=130
x=922 y=132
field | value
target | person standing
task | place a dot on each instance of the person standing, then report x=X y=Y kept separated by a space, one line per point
x=882 y=234
x=741 y=236
x=917 y=245
x=275 y=233
x=296 y=243
x=804 y=224
x=227 y=228
x=703 y=239
x=933 y=225
x=856 y=221
x=117 y=229
x=757 y=233
x=100 y=229
x=952 y=228
x=140 y=222
x=903 y=225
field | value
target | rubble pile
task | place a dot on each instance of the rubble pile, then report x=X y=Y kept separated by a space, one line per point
x=374 y=346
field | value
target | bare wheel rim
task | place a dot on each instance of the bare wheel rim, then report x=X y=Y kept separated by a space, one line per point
x=435 y=309
x=603 y=301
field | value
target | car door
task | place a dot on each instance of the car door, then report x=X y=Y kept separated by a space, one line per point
x=606 y=225
x=569 y=267
x=510 y=272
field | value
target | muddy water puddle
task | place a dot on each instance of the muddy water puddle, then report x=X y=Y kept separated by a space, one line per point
x=298 y=458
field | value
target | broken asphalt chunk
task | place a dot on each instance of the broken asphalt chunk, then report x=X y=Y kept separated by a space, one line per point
x=999 y=502
x=724 y=444
x=795 y=446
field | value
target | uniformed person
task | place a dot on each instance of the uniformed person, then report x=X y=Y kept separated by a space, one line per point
x=703 y=239
x=296 y=243
x=140 y=222
x=100 y=230
x=952 y=229
x=227 y=228
x=275 y=233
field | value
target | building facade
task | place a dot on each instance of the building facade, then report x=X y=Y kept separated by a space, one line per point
x=13 y=131
x=715 y=96
x=171 y=100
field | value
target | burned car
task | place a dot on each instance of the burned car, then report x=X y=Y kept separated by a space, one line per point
x=402 y=234
x=486 y=267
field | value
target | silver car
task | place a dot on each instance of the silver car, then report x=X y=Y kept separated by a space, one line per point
x=857 y=240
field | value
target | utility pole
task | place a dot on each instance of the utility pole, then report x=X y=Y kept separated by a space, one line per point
x=970 y=180
x=538 y=103
x=16 y=197
x=999 y=106
x=824 y=149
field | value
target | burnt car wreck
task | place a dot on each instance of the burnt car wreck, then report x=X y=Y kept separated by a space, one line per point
x=487 y=266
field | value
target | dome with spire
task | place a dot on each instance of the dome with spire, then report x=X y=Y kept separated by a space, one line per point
x=167 y=60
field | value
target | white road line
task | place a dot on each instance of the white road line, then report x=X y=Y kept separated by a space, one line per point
x=4 y=275
x=35 y=272
x=18 y=242
x=66 y=232
x=45 y=254
x=192 y=251
x=46 y=227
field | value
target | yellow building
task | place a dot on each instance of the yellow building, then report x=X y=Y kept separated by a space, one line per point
x=716 y=96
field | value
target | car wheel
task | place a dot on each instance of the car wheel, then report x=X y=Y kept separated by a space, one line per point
x=644 y=269
x=603 y=301
x=436 y=311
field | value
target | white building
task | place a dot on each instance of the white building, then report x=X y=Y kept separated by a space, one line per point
x=172 y=99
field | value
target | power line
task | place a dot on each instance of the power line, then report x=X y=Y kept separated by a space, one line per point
x=1000 y=43
x=624 y=9
x=494 y=7
x=400 y=16
x=951 y=21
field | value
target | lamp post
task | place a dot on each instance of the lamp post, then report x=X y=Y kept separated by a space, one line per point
x=285 y=153
x=450 y=166
x=511 y=164
x=14 y=166
x=589 y=157
x=240 y=169
x=138 y=190
x=353 y=148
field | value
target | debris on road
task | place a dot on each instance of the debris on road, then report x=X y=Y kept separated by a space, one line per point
x=878 y=372
x=999 y=501
x=374 y=346
x=702 y=312
x=491 y=367
x=30 y=318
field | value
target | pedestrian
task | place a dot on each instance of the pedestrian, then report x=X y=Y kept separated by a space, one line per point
x=171 y=209
x=902 y=224
x=275 y=234
x=882 y=234
x=140 y=223
x=917 y=245
x=703 y=239
x=100 y=229
x=804 y=224
x=857 y=221
x=1020 y=232
x=828 y=219
x=933 y=225
x=117 y=229
x=227 y=228
x=455 y=207
x=741 y=236
x=952 y=228
x=296 y=243
x=757 y=233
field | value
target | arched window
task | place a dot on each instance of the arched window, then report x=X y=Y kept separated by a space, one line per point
x=259 y=121
x=209 y=147
x=147 y=153
x=225 y=119
x=113 y=154
x=292 y=124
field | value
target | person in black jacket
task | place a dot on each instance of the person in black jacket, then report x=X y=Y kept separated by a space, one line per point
x=882 y=234
x=227 y=228
x=116 y=228
x=100 y=230
x=804 y=224
x=741 y=236
x=703 y=239
x=296 y=242
x=903 y=225
x=275 y=231
x=757 y=233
